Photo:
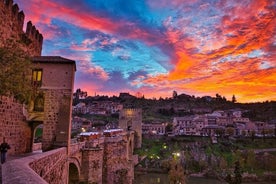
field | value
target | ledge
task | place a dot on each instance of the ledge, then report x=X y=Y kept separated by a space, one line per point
x=19 y=170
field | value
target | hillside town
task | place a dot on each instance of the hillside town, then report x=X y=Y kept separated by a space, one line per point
x=220 y=122
x=51 y=134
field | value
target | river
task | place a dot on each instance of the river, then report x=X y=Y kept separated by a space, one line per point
x=154 y=178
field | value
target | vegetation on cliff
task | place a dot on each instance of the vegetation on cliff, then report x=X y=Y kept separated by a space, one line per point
x=14 y=73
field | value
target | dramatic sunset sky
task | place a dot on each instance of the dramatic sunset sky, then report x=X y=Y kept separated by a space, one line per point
x=197 y=47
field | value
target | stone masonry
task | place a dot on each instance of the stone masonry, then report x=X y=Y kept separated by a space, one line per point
x=92 y=162
x=11 y=30
x=108 y=159
x=56 y=92
x=110 y=162
x=48 y=167
x=117 y=167
x=131 y=119
x=13 y=126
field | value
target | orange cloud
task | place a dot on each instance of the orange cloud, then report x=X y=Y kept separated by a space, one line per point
x=226 y=66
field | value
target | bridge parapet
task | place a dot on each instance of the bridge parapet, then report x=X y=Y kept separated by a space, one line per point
x=48 y=167
x=95 y=143
x=76 y=147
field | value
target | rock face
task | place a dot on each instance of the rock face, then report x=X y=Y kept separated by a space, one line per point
x=11 y=30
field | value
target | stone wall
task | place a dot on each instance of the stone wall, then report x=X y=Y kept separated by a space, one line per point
x=92 y=165
x=49 y=167
x=52 y=166
x=108 y=159
x=13 y=126
x=11 y=30
x=116 y=166
x=55 y=102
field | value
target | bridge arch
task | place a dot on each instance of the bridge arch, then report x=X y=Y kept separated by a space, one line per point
x=74 y=170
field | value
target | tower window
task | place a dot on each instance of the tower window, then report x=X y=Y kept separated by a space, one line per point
x=39 y=103
x=37 y=77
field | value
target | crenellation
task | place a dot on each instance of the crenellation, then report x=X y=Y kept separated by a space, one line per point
x=15 y=10
x=33 y=30
x=8 y=3
x=11 y=28
x=29 y=27
x=20 y=19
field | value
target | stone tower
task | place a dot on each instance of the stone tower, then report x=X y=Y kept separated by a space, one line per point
x=11 y=30
x=52 y=78
x=131 y=119
x=53 y=81
x=13 y=124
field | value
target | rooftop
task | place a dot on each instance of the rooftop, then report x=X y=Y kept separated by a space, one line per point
x=53 y=59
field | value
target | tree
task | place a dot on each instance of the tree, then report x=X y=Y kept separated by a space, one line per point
x=237 y=173
x=169 y=128
x=237 y=179
x=251 y=160
x=15 y=73
x=219 y=132
x=79 y=94
x=234 y=100
x=230 y=131
x=176 y=173
x=252 y=134
x=174 y=94
x=222 y=163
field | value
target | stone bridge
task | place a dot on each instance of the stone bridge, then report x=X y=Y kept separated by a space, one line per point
x=103 y=160
x=48 y=167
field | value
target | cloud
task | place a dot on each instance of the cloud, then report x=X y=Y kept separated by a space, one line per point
x=243 y=32
x=197 y=47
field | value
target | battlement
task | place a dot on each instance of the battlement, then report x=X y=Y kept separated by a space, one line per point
x=131 y=112
x=33 y=33
x=11 y=27
x=13 y=10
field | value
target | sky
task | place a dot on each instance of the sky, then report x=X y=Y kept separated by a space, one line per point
x=155 y=47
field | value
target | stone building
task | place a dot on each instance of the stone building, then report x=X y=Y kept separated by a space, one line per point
x=154 y=128
x=131 y=119
x=53 y=81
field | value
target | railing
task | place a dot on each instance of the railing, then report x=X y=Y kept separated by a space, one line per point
x=27 y=170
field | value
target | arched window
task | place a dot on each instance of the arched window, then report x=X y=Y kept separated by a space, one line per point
x=39 y=103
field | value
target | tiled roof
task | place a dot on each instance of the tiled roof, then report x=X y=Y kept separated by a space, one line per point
x=52 y=59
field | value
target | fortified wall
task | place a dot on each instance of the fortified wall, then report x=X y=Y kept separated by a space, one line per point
x=108 y=159
x=13 y=126
x=11 y=30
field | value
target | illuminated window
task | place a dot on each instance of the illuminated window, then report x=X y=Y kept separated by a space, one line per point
x=37 y=77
